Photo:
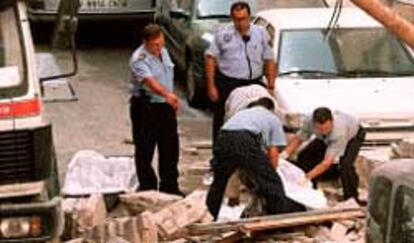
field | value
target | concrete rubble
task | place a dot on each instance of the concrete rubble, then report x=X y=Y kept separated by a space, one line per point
x=152 y=201
x=87 y=220
x=152 y=216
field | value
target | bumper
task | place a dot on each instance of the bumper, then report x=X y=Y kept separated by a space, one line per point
x=385 y=138
x=50 y=213
x=48 y=16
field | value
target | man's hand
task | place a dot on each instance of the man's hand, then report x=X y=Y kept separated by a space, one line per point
x=213 y=94
x=284 y=155
x=172 y=100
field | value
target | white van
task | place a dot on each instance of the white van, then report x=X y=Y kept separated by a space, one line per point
x=357 y=66
x=30 y=202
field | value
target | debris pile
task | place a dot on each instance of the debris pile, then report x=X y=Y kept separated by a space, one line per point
x=150 y=217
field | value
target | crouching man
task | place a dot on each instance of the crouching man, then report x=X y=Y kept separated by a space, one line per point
x=248 y=141
x=338 y=136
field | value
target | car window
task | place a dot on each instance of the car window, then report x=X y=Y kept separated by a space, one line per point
x=363 y=52
x=378 y=209
x=11 y=53
x=305 y=50
x=403 y=218
x=373 y=50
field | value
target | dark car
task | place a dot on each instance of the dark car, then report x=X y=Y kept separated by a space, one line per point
x=189 y=26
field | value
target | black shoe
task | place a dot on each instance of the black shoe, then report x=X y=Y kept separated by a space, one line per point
x=233 y=202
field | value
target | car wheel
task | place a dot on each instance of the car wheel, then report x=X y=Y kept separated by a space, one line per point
x=194 y=92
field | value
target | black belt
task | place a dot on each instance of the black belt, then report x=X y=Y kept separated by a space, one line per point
x=221 y=76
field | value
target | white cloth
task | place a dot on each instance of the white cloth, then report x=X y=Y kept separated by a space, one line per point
x=90 y=172
x=298 y=188
x=241 y=97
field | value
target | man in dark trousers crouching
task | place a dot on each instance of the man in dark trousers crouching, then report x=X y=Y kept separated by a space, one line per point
x=249 y=141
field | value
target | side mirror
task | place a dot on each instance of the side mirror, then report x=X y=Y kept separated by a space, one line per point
x=63 y=38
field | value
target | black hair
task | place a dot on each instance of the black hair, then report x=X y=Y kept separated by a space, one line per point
x=322 y=115
x=151 y=31
x=263 y=102
x=239 y=5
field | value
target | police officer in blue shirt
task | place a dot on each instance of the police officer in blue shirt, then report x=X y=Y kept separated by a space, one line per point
x=249 y=141
x=153 y=113
x=237 y=57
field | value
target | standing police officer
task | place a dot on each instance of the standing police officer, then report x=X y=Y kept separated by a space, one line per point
x=237 y=57
x=153 y=113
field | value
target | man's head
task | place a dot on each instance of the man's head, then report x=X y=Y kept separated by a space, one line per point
x=153 y=39
x=240 y=13
x=323 y=120
x=263 y=102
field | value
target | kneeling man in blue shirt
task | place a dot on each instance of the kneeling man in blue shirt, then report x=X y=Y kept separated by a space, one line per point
x=249 y=141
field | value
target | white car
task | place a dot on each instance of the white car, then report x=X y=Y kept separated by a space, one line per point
x=356 y=67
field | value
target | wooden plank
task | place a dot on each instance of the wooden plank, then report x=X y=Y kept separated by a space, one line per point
x=221 y=227
x=300 y=220
x=231 y=238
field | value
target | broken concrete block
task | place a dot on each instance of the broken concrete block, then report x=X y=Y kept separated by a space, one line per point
x=127 y=228
x=82 y=214
x=354 y=236
x=202 y=144
x=117 y=240
x=348 y=204
x=152 y=201
x=338 y=232
x=322 y=234
x=124 y=228
x=367 y=161
x=190 y=150
x=90 y=211
x=346 y=223
x=207 y=218
x=120 y=211
x=147 y=228
x=78 y=240
x=173 y=219
x=199 y=168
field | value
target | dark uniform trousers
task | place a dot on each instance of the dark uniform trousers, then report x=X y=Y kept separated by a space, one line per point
x=155 y=124
x=225 y=86
x=243 y=150
x=315 y=151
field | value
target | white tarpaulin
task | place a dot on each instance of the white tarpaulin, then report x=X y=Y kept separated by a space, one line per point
x=298 y=188
x=91 y=172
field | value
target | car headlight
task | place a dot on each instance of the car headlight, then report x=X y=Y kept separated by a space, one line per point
x=294 y=120
x=20 y=227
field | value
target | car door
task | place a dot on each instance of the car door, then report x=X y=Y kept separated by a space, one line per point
x=178 y=22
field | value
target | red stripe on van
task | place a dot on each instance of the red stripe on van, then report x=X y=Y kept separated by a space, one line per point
x=20 y=108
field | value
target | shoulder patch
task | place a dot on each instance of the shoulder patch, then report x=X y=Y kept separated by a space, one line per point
x=142 y=57
x=227 y=37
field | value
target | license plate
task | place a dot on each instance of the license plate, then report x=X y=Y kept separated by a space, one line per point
x=103 y=4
